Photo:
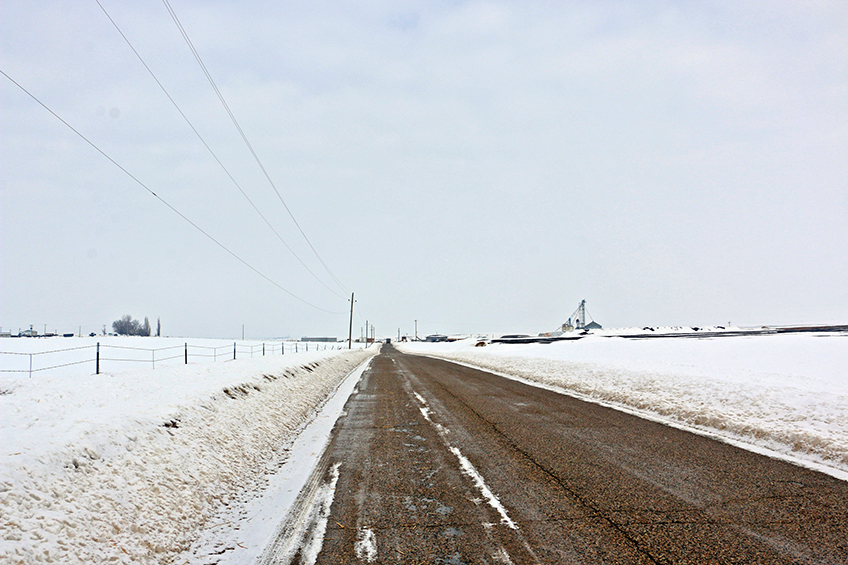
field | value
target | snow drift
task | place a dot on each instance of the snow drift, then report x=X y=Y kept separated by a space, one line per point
x=92 y=474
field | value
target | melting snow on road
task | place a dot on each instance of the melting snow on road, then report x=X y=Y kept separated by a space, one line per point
x=366 y=545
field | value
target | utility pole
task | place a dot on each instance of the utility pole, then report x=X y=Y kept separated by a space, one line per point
x=350 y=329
x=416 y=330
x=366 y=334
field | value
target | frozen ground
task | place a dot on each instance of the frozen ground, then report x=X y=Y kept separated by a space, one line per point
x=127 y=467
x=786 y=394
x=187 y=463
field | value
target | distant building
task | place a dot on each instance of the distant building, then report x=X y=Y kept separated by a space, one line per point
x=578 y=320
x=436 y=338
x=320 y=339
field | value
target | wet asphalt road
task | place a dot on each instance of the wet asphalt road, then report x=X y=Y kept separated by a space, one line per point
x=438 y=463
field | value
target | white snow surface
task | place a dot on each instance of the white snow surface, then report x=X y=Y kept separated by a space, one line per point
x=128 y=467
x=243 y=530
x=171 y=464
x=785 y=395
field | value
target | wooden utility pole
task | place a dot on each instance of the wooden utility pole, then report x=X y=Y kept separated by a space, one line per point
x=350 y=330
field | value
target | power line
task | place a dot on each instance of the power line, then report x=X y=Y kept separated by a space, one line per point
x=203 y=141
x=244 y=137
x=162 y=200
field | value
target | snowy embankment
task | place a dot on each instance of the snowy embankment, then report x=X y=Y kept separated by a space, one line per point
x=127 y=467
x=786 y=394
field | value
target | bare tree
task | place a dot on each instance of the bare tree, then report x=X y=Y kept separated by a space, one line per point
x=128 y=326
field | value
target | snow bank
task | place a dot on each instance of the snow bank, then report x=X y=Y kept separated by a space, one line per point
x=787 y=393
x=126 y=467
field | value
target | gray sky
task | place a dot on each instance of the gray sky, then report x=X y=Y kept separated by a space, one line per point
x=478 y=166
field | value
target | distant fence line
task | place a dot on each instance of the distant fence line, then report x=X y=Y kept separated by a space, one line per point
x=217 y=353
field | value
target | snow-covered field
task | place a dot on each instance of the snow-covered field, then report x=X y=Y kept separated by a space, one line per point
x=183 y=462
x=127 y=466
x=784 y=394
x=73 y=356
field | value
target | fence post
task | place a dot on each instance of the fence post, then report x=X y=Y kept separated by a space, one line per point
x=186 y=353
x=234 y=351
x=98 y=358
x=263 y=350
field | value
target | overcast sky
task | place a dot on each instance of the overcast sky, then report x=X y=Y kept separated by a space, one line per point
x=477 y=166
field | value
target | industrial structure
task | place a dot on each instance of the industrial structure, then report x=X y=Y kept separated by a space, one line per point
x=579 y=320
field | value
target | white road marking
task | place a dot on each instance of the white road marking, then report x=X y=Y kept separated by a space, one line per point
x=467 y=467
x=366 y=546
x=490 y=497
x=501 y=556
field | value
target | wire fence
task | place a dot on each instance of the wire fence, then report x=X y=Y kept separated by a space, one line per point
x=99 y=354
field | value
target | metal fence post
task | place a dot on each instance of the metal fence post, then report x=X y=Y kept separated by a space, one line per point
x=234 y=350
x=263 y=350
x=98 y=358
x=186 y=353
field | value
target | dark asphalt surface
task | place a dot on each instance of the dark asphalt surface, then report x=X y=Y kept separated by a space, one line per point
x=439 y=463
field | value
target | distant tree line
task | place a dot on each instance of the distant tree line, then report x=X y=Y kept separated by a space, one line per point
x=128 y=326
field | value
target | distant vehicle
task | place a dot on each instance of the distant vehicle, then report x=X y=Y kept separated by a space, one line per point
x=388 y=340
x=92 y=334
x=67 y=335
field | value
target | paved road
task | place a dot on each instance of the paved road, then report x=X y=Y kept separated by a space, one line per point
x=438 y=463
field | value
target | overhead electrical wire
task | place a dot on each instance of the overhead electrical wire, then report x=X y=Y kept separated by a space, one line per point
x=163 y=201
x=244 y=137
x=203 y=141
